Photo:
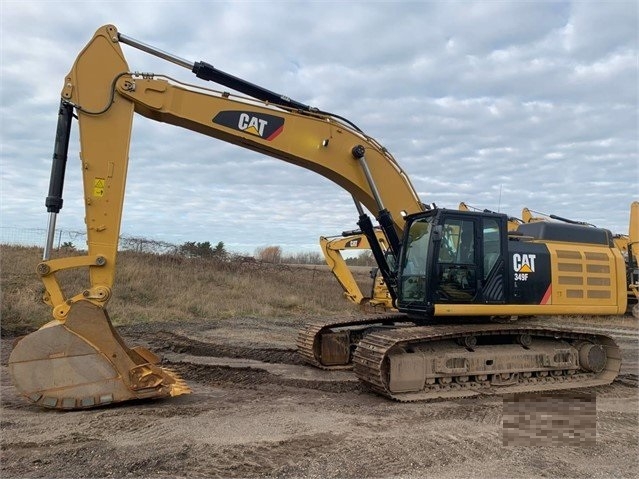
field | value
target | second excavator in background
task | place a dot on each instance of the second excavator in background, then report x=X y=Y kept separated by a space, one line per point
x=379 y=298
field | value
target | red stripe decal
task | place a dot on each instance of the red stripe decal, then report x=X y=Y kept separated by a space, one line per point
x=547 y=296
x=275 y=133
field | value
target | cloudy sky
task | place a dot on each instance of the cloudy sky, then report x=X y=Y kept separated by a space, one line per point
x=498 y=104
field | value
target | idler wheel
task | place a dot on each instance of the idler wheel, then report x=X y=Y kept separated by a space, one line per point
x=592 y=357
x=468 y=341
x=524 y=339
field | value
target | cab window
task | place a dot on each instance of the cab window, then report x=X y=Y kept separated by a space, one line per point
x=413 y=275
x=492 y=245
x=456 y=265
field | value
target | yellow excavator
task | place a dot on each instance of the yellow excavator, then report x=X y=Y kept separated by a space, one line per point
x=332 y=247
x=450 y=269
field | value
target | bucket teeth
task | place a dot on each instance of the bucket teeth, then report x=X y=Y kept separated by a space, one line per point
x=179 y=385
x=173 y=386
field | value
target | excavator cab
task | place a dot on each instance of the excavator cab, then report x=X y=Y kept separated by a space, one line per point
x=452 y=257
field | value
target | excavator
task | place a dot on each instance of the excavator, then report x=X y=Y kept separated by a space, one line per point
x=332 y=247
x=450 y=270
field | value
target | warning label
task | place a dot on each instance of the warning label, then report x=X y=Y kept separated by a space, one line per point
x=98 y=187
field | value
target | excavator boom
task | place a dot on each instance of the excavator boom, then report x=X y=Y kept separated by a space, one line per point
x=78 y=360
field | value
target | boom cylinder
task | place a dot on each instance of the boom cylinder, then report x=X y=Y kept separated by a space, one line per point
x=383 y=216
x=155 y=51
x=206 y=71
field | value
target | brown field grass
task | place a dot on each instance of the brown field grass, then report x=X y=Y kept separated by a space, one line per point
x=152 y=287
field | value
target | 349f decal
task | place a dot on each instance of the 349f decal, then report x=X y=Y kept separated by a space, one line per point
x=523 y=264
x=262 y=125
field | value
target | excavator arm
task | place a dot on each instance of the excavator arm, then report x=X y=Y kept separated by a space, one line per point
x=78 y=360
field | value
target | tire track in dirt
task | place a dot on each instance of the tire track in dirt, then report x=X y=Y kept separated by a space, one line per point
x=618 y=427
x=252 y=378
x=479 y=410
x=168 y=341
x=396 y=456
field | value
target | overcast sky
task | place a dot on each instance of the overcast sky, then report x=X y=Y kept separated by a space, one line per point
x=498 y=104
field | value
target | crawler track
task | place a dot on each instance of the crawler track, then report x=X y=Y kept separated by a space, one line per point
x=372 y=364
x=310 y=337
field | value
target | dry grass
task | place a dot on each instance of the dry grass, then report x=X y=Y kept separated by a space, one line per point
x=158 y=288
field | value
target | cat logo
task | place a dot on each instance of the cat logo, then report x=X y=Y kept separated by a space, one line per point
x=252 y=124
x=524 y=263
x=257 y=124
x=354 y=243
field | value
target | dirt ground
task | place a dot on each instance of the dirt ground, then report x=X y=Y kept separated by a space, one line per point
x=256 y=411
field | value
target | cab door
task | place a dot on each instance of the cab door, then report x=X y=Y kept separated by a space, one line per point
x=494 y=242
x=456 y=271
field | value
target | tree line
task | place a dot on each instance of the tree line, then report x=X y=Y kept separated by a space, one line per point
x=204 y=249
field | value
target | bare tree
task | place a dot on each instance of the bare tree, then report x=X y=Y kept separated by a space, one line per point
x=269 y=254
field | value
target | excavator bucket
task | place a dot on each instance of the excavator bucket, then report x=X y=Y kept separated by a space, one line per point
x=82 y=362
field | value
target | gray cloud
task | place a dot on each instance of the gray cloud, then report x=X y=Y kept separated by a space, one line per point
x=499 y=104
